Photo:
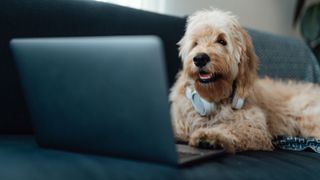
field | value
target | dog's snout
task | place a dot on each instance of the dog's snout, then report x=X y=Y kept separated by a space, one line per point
x=201 y=59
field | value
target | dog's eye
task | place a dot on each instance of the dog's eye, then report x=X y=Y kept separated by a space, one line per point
x=194 y=44
x=222 y=42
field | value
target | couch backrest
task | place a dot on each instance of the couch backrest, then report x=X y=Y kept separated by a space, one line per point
x=280 y=56
x=59 y=18
x=284 y=57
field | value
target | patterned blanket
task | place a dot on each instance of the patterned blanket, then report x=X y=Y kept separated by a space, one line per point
x=297 y=143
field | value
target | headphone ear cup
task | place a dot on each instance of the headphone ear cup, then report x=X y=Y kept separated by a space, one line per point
x=208 y=107
x=237 y=102
x=202 y=106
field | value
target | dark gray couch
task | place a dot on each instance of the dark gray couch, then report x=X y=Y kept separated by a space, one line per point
x=22 y=159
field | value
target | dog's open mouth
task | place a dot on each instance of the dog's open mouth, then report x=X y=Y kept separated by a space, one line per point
x=206 y=77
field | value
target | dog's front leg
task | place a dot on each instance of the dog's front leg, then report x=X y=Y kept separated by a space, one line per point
x=213 y=137
x=247 y=131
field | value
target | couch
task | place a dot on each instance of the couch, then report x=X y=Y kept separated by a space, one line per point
x=22 y=159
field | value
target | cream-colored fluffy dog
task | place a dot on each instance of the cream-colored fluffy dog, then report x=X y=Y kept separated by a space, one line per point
x=218 y=98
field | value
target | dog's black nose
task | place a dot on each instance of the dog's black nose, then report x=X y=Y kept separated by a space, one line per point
x=201 y=59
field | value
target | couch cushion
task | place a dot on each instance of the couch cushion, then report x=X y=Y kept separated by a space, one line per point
x=21 y=158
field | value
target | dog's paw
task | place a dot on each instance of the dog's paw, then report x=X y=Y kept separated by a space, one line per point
x=209 y=138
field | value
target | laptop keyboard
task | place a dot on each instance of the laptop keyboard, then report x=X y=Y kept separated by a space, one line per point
x=186 y=155
x=186 y=150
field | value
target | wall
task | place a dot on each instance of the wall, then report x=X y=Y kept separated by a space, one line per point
x=273 y=16
x=268 y=15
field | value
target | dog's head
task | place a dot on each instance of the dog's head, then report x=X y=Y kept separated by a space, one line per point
x=217 y=55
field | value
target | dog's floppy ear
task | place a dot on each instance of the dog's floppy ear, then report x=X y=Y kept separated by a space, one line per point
x=185 y=43
x=184 y=47
x=247 y=72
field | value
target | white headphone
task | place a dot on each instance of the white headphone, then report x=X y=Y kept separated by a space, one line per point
x=237 y=102
x=204 y=107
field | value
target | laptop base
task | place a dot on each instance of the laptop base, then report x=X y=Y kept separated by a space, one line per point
x=189 y=155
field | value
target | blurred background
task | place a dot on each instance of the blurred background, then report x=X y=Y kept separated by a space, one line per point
x=295 y=18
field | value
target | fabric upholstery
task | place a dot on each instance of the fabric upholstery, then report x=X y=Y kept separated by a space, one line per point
x=21 y=158
x=284 y=57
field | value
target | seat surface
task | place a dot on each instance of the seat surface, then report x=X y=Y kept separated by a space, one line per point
x=21 y=158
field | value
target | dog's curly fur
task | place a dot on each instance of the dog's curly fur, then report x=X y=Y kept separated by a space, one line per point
x=272 y=107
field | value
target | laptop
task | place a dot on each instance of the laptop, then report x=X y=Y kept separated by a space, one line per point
x=102 y=95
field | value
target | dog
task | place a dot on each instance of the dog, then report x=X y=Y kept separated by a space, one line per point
x=218 y=98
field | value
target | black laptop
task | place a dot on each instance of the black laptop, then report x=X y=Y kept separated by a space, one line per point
x=103 y=95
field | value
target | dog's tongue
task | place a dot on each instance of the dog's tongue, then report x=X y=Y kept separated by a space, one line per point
x=204 y=75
